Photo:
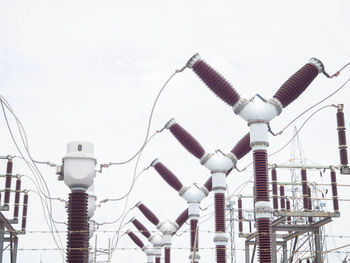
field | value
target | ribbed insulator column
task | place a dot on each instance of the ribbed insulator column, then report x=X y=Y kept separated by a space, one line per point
x=242 y=148
x=140 y=227
x=274 y=188
x=304 y=186
x=282 y=198
x=334 y=191
x=148 y=213
x=262 y=194
x=309 y=204
x=136 y=240
x=240 y=215
x=194 y=236
x=219 y=200
x=78 y=228
x=8 y=181
x=157 y=259
x=209 y=184
x=220 y=86
x=24 y=212
x=343 y=153
x=167 y=175
x=296 y=84
x=167 y=255
x=289 y=219
x=17 y=198
x=182 y=218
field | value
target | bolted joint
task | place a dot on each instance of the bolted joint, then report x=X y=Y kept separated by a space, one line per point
x=239 y=105
x=205 y=158
x=263 y=209
x=220 y=239
x=194 y=256
x=316 y=62
x=193 y=60
x=170 y=123
x=278 y=105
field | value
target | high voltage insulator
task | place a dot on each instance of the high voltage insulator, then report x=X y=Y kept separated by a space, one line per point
x=24 y=212
x=334 y=191
x=305 y=190
x=148 y=251
x=240 y=215
x=9 y=168
x=17 y=198
x=309 y=204
x=343 y=153
x=274 y=188
x=289 y=219
x=167 y=175
x=283 y=198
x=182 y=218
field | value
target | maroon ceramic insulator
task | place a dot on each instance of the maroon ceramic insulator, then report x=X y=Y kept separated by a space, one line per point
x=220 y=86
x=194 y=234
x=220 y=254
x=167 y=255
x=8 y=182
x=264 y=239
x=219 y=201
x=209 y=184
x=296 y=84
x=343 y=153
x=260 y=172
x=242 y=148
x=182 y=218
x=304 y=186
x=136 y=240
x=289 y=219
x=157 y=259
x=309 y=204
x=78 y=228
x=240 y=215
x=25 y=212
x=143 y=230
x=308 y=261
x=274 y=188
x=168 y=176
x=283 y=198
x=187 y=140
x=17 y=196
x=334 y=191
x=148 y=214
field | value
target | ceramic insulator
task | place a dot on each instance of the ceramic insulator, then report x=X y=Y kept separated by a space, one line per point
x=141 y=228
x=334 y=191
x=220 y=86
x=167 y=255
x=78 y=228
x=242 y=148
x=304 y=186
x=240 y=215
x=25 y=212
x=260 y=174
x=17 y=197
x=209 y=184
x=343 y=153
x=289 y=219
x=309 y=204
x=296 y=84
x=168 y=176
x=274 y=188
x=136 y=240
x=283 y=199
x=148 y=214
x=8 y=181
x=264 y=239
x=220 y=254
x=182 y=218
x=157 y=259
x=187 y=140
x=194 y=235
x=219 y=212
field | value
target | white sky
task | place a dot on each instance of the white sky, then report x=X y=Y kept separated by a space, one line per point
x=88 y=70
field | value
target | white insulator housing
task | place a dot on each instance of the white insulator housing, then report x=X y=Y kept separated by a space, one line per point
x=259 y=136
x=193 y=60
x=220 y=239
x=252 y=112
x=149 y=252
x=218 y=182
x=91 y=201
x=92 y=224
x=157 y=252
x=156 y=240
x=263 y=209
x=167 y=227
x=166 y=241
x=193 y=193
x=79 y=165
x=219 y=162
x=193 y=210
x=91 y=257
x=194 y=256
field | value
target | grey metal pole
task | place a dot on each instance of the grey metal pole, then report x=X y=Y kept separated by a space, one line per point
x=95 y=256
x=318 y=254
x=285 y=252
x=15 y=249
x=247 y=257
x=2 y=235
x=273 y=245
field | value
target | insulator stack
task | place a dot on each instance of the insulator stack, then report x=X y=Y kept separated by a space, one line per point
x=157 y=259
x=283 y=198
x=187 y=140
x=308 y=261
x=240 y=215
x=194 y=235
x=274 y=188
x=182 y=218
x=289 y=219
x=167 y=175
x=8 y=181
x=141 y=228
x=309 y=204
x=304 y=186
x=167 y=255
x=334 y=191
x=17 y=197
x=209 y=184
x=78 y=228
x=220 y=86
x=148 y=213
x=219 y=200
x=220 y=254
x=262 y=194
x=343 y=153
x=242 y=148
x=136 y=240
x=24 y=212
x=296 y=84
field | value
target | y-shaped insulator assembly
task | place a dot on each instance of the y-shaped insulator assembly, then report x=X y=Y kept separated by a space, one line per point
x=221 y=87
x=298 y=83
x=8 y=181
x=274 y=188
x=139 y=243
x=343 y=153
x=334 y=190
x=167 y=175
x=17 y=197
x=148 y=213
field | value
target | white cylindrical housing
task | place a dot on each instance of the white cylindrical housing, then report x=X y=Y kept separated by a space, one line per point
x=79 y=164
x=91 y=201
x=92 y=224
x=193 y=210
x=220 y=239
x=263 y=209
x=219 y=182
x=258 y=132
x=166 y=240
x=91 y=257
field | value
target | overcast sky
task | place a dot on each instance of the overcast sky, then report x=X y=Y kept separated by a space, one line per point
x=90 y=70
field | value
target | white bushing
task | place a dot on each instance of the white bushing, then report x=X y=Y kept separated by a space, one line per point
x=91 y=201
x=79 y=165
